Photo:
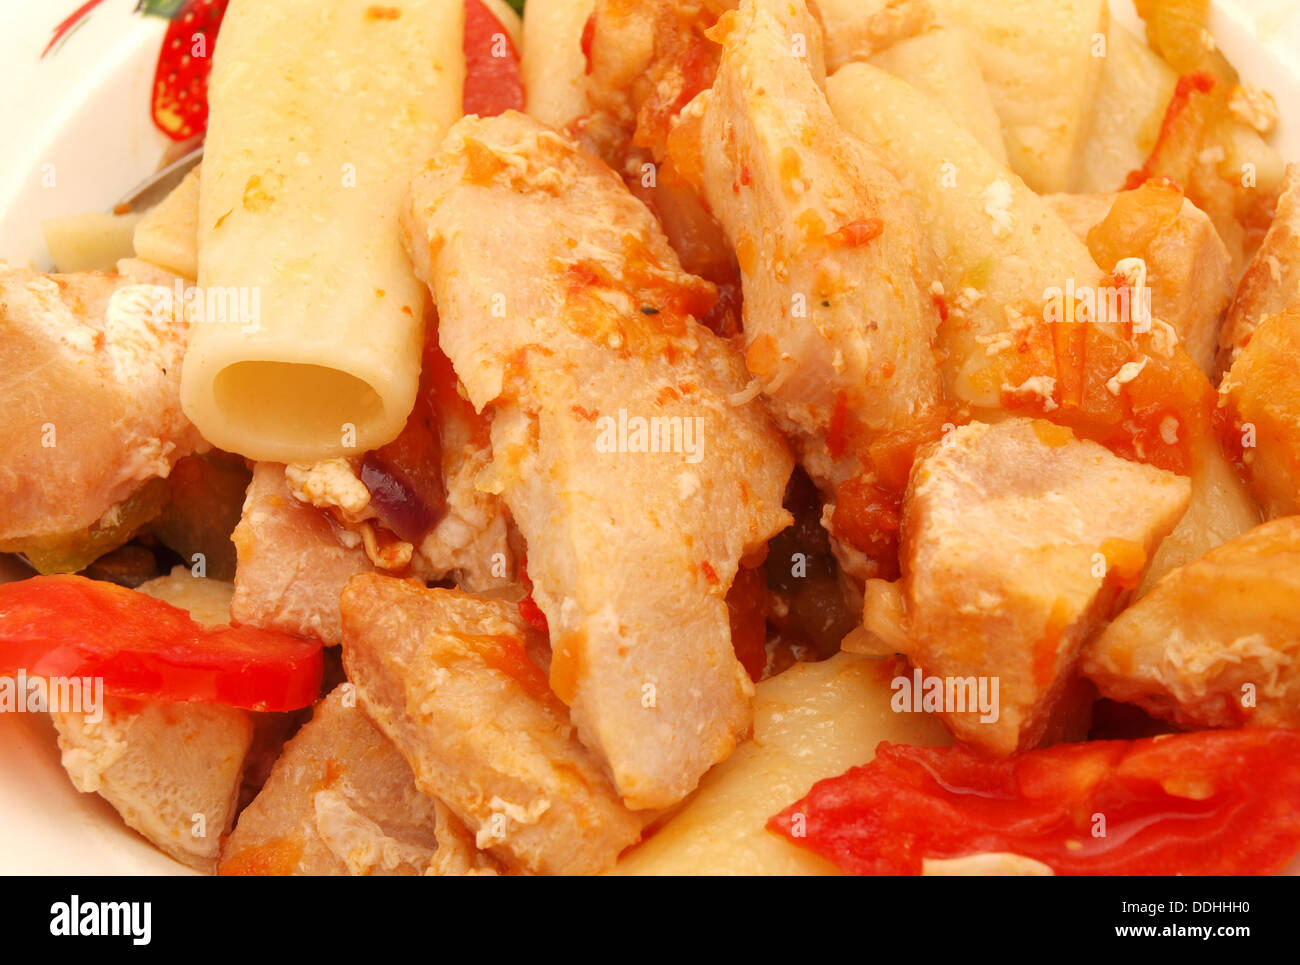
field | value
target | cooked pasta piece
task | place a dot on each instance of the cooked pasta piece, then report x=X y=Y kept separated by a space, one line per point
x=1222 y=508
x=1133 y=89
x=935 y=59
x=999 y=246
x=554 y=63
x=911 y=40
x=299 y=222
x=811 y=722
x=90 y=241
x=167 y=235
x=1040 y=60
x=563 y=308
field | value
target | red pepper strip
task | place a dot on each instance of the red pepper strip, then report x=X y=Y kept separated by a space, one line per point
x=144 y=648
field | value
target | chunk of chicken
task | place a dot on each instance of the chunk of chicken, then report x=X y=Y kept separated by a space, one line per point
x=635 y=465
x=1260 y=401
x=1271 y=282
x=1184 y=263
x=339 y=801
x=447 y=678
x=1217 y=642
x=457 y=853
x=172 y=770
x=1018 y=541
x=837 y=274
x=91 y=396
x=292 y=566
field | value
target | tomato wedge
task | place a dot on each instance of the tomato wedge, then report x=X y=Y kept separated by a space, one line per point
x=69 y=626
x=493 y=80
x=1208 y=803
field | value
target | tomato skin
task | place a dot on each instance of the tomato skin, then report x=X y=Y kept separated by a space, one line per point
x=493 y=84
x=1212 y=802
x=147 y=649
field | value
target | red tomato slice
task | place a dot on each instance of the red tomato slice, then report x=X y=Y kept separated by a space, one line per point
x=1208 y=803
x=69 y=626
x=493 y=81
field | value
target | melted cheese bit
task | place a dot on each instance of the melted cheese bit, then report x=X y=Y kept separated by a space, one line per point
x=1126 y=374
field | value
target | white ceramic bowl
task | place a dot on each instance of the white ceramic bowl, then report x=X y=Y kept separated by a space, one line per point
x=84 y=108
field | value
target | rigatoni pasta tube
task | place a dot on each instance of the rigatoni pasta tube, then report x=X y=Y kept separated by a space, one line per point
x=554 y=65
x=320 y=114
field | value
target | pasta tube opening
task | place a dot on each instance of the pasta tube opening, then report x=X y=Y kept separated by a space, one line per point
x=320 y=408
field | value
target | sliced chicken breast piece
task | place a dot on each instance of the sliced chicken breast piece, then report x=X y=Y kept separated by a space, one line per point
x=172 y=770
x=457 y=854
x=1260 y=404
x=1271 y=282
x=1018 y=542
x=1183 y=262
x=447 y=677
x=636 y=465
x=1216 y=643
x=292 y=566
x=91 y=397
x=339 y=801
x=839 y=315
